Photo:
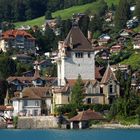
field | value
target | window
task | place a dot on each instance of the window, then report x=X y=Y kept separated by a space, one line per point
x=36 y=103
x=38 y=81
x=115 y=88
x=110 y=89
x=88 y=54
x=88 y=100
x=25 y=103
x=79 y=55
x=35 y=112
x=101 y=90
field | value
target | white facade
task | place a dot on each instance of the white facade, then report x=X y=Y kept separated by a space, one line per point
x=76 y=63
x=3 y=45
x=30 y=107
x=27 y=107
x=136 y=46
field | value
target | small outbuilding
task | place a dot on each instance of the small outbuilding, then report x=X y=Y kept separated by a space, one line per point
x=81 y=120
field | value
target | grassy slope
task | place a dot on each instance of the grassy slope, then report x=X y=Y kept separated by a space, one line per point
x=133 y=60
x=137 y=29
x=67 y=13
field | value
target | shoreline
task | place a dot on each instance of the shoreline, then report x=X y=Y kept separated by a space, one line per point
x=115 y=126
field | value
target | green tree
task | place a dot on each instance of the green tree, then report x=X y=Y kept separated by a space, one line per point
x=21 y=67
x=102 y=7
x=7 y=67
x=77 y=92
x=3 y=90
x=65 y=27
x=122 y=14
x=83 y=24
x=95 y=24
x=137 y=11
x=48 y=15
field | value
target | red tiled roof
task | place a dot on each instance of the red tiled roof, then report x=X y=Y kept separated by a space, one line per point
x=87 y=115
x=98 y=74
x=13 y=33
x=6 y=108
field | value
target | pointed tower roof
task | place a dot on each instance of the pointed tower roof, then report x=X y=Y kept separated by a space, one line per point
x=109 y=74
x=76 y=40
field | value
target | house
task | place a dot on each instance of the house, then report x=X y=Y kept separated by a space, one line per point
x=23 y=58
x=83 y=118
x=52 y=23
x=17 y=39
x=18 y=83
x=121 y=67
x=110 y=86
x=104 y=54
x=136 y=41
x=116 y=48
x=61 y=95
x=126 y=32
x=43 y=64
x=104 y=39
x=33 y=101
x=109 y=16
x=24 y=27
x=132 y=23
x=121 y=40
x=93 y=93
x=135 y=82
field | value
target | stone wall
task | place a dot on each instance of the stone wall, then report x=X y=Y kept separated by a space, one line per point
x=37 y=122
x=2 y=123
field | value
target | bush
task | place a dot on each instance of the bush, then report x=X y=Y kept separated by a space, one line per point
x=15 y=121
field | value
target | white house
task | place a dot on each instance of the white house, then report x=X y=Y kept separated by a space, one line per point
x=32 y=101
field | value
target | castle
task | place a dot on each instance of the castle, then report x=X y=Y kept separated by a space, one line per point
x=76 y=56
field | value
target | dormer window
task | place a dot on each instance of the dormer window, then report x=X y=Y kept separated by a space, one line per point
x=79 y=55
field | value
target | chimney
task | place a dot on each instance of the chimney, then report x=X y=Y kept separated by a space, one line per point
x=37 y=68
x=89 y=35
x=71 y=45
x=6 y=100
x=20 y=95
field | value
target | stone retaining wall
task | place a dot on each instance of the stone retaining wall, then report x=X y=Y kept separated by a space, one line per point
x=37 y=122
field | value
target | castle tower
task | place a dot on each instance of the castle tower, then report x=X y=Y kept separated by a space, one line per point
x=76 y=56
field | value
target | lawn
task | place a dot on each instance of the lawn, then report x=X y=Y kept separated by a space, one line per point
x=137 y=29
x=67 y=13
x=133 y=61
x=115 y=2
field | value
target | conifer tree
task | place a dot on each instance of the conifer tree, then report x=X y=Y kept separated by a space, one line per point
x=77 y=91
x=122 y=14
x=95 y=24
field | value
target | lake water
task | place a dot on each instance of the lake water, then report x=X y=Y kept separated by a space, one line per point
x=92 y=134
